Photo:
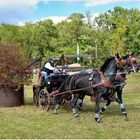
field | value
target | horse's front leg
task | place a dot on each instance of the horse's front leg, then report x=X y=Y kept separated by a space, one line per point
x=58 y=100
x=97 y=108
x=105 y=107
x=122 y=106
x=80 y=102
x=73 y=105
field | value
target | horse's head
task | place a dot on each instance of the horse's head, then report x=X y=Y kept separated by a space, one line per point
x=111 y=66
x=131 y=61
x=117 y=62
x=121 y=63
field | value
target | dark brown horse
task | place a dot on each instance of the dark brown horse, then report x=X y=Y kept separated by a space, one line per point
x=120 y=82
x=99 y=82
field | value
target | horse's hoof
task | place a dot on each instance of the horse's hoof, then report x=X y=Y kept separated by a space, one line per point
x=98 y=120
x=126 y=119
x=80 y=107
x=124 y=113
x=101 y=111
x=76 y=115
x=55 y=111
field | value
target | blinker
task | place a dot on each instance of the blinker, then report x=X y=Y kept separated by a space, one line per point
x=122 y=62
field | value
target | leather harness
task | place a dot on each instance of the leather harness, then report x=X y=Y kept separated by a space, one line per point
x=103 y=82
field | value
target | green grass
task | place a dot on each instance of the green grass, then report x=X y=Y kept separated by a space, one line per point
x=32 y=122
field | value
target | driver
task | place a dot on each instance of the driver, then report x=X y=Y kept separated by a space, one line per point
x=48 y=69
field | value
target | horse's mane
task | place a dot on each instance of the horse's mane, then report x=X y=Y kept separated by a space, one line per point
x=107 y=61
x=125 y=57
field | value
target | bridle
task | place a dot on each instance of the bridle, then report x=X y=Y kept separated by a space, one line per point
x=121 y=63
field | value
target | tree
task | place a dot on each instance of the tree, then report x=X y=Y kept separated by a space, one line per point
x=122 y=28
x=45 y=34
x=74 y=32
x=8 y=34
x=132 y=34
x=25 y=39
x=75 y=27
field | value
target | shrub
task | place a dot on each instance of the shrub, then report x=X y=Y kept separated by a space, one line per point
x=13 y=67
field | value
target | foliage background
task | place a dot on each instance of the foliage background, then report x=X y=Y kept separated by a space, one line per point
x=116 y=30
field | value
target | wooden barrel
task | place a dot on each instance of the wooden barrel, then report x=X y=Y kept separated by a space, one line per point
x=10 y=97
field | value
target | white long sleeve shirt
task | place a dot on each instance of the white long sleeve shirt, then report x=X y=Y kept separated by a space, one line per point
x=48 y=66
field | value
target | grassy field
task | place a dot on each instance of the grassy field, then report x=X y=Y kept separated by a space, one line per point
x=32 y=122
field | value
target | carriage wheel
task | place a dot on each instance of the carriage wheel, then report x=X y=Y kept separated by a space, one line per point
x=44 y=99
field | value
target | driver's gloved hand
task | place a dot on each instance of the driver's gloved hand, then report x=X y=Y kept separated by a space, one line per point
x=56 y=71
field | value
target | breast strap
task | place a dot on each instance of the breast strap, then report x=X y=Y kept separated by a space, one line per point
x=104 y=81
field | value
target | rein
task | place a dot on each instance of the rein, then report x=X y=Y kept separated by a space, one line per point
x=103 y=82
x=70 y=91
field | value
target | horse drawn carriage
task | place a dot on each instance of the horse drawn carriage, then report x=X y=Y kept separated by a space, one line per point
x=83 y=83
x=42 y=95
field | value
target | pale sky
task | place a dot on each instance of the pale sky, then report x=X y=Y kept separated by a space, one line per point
x=20 y=11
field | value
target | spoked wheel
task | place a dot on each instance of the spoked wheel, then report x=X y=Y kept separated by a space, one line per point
x=44 y=99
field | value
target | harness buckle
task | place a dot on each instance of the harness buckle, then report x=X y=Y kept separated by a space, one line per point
x=90 y=79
